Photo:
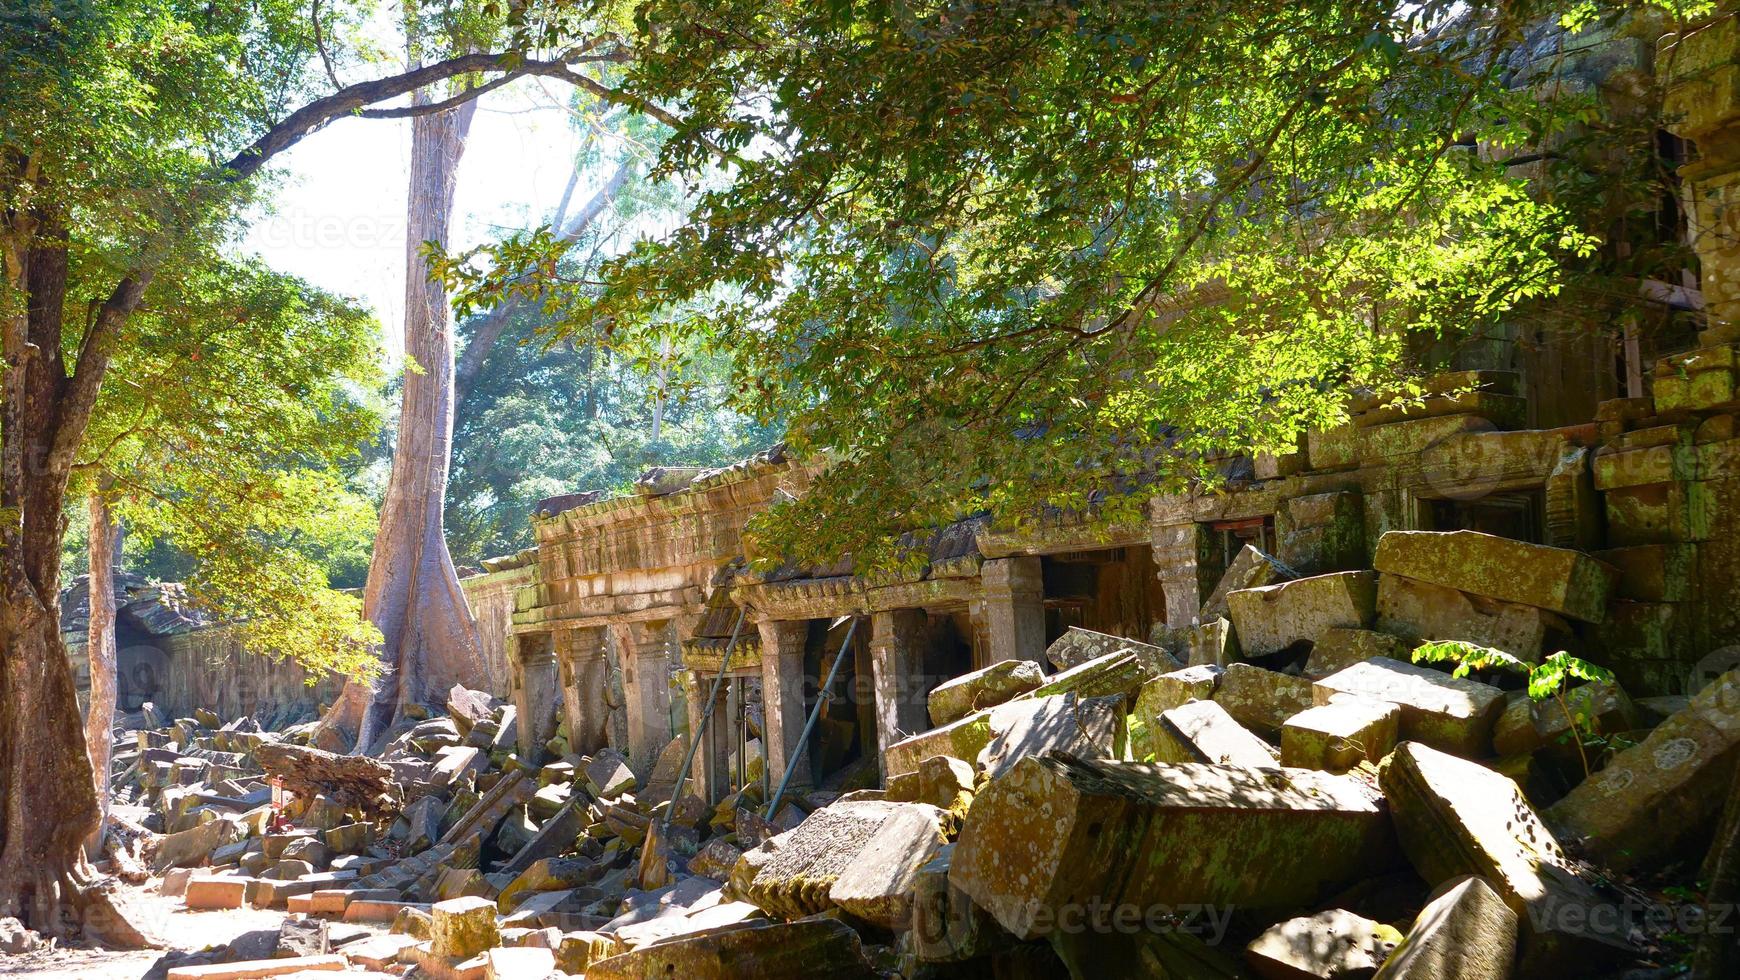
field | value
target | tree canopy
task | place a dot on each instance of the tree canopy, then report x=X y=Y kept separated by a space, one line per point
x=1022 y=256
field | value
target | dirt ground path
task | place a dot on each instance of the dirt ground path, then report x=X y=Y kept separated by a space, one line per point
x=254 y=931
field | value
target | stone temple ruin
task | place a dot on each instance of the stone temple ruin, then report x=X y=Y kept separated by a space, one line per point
x=1212 y=710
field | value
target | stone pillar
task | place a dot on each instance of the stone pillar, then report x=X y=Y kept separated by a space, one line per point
x=897 y=653
x=708 y=774
x=1702 y=80
x=536 y=693
x=585 y=673
x=782 y=698
x=1177 y=553
x=646 y=675
x=1014 y=597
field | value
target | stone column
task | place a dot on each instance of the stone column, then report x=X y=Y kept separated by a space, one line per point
x=708 y=775
x=645 y=651
x=1177 y=553
x=897 y=652
x=1014 y=597
x=585 y=680
x=536 y=693
x=1701 y=73
x=782 y=698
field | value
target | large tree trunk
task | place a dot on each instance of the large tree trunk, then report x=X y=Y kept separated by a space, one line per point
x=48 y=800
x=100 y=646
x=429 y=640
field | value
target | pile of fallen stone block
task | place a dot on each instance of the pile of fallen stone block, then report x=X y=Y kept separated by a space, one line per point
x=1274 y=791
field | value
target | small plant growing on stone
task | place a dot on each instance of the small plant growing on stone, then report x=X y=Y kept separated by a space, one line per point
x=1545 y=679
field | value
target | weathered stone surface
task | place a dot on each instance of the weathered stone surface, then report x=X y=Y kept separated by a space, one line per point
x=1214 y=642
x=1024 y=725
x=1119 y=674
x=1260 y=699
x=1087 y=727
x=955 y=699
x=463 y=927
x=1456 y=817
x=468 y=707
x=941 y=781
x=1465 y=932
x=1528 y=725
x=547 y=875
x=1249 y=569
x=779 y=951
x=1169 y=691
x=947 y=926
x=1057 y=832
x=1682 y=768
x=1272 y=618
x=519 y=963
x=192 y=848
x=1416 y=611
x=1202 y=731
x=214 y=892
x=877 y=886
x=1451 y=713
x=1334 y=944
x=1567 y=582
x=792 y=874
x=1077 y=646
x=1340 y=648
x=608 y=775
x=1340 y=735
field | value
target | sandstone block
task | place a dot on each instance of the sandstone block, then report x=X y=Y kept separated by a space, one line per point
x=992 y=738
x=878 y=886
x=519 y=963
x=1202 y=731
x=463 y=927
x=212 y=892
x=1059 y=832
x=955 y=699
x=1339 y=735
x=1339 y=648
x=1451 y=713
x=1330 y=945
x=1077 y=646
x=608 y=775
x=778 y=951
x=1249 y=569
x=1171 y=690
x=1465 y=932
x=1272 y=618
x=250 y=969
x=1682 y=768
x=1563 y=581
x=792 y=874
x=1456 y=817
x=1528 y=725
x=947 y=926
x=1262 y=700
x=1416 y=611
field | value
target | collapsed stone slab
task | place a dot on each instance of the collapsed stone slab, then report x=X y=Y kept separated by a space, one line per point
x=792 y=874
x=1417 y=611
x=955 y=699
x=1057 y=832
x=1331 y=945
x=1260 y=699
x=1249 y=569
x=993 y=738
x=947 y=926
x=1077 y=646
x=1563 y=581
x=1202 y=731
x=1465 y=932
x=878 y=885
x=1274 y=617
x=1456 y=817
x=1340 y=735
x=1451 y=713
x=779 y=951
x=1682 y=768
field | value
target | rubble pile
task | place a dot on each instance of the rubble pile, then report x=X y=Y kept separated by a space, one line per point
x=1320 y=807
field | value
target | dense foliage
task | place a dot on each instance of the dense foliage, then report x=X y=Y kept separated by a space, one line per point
x=1013 y=256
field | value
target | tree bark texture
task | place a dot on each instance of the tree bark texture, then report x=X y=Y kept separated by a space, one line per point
x=100 y=645
x=429 y=639
x=48 y=799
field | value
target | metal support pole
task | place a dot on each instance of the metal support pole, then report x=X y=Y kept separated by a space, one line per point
x=701 y=729
x=815 y=714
